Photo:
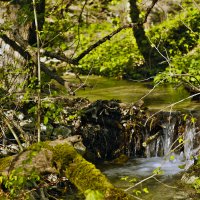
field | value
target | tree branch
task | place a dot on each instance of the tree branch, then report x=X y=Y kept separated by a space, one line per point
x=104 y=39
x=59 y=57
x=15 y=46
x=153 y=3
x=28 y=52
x=76 y=60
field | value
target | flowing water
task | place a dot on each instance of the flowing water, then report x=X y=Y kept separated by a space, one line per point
x=129 y=92
x=164 y=186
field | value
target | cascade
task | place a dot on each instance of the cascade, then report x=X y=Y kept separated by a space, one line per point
x=164 y=144
x=168 y=137
x=191 y=145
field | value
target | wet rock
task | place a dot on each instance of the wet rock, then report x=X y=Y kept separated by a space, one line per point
x=27 y=124
x=8 y=149
x=120 y=160
x=63 y=131
x=80 y=147
x=181 y=195
x=188 y=179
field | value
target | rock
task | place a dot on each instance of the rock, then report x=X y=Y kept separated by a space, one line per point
x=80 y=148
x=62 y=130
x=120 y=160
x=181 y=195
x=27 y=124
x=187 y=179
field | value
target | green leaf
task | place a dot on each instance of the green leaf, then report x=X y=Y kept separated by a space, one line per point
x=182 y=166
x=172 y=157
x=158 y=171
x=185 y=117
x=193 y=120
x=133 y=180
x=94 y=195
x=180 y=139
x=137 y=192
x=145 y=190
x=46 y=120
x=125 y=178
x=1 y=179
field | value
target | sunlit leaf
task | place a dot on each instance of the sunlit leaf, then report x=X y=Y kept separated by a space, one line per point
x=180 y=139
x=145 y=190
x=158 y=171
x=125 y=178
x=182 y=166
x=172 y=157
x=133 y=180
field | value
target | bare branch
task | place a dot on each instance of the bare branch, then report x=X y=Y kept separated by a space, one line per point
x=68 y=5
x=60 y=57
x=30 y=51
x=170 y=106
x=153 y=3
x=76 y=60
x=101 y=41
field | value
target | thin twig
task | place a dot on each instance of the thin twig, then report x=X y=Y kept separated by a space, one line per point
x=169 y=186
x=14 y=134
x=39 y=72
x=171 y=105
x=156 y=85
x=149 y=177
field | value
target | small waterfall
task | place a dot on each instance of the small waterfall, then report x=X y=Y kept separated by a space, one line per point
x=157 y=147
x=167 y=141
x=162 y=145
x=168 y=137
x=190 y=148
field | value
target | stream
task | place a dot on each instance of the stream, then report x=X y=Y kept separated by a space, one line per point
x=164 y=187
x=130 y=91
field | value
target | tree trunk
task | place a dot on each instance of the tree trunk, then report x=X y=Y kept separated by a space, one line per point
x=151 y=56
x=60 y=157
x=17 y=15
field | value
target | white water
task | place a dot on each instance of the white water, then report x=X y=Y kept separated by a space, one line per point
x=143 y=167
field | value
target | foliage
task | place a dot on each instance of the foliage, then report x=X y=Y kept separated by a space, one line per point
x=16 y=182
x=115 y=57
x=51 y=111
x=180 y=46
x=120 y=56
x=183 y=69
x=196 y=185
x=93 y=195
x=178 y=35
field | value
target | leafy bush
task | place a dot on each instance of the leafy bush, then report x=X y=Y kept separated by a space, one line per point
x=179 y=35
x=115 y=57
x=121 y=56
x=183 y=68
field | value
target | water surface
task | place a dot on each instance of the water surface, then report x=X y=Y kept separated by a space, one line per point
x=129 y=92
x=163 y=188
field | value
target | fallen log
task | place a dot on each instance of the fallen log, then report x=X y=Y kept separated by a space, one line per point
x=60 y=157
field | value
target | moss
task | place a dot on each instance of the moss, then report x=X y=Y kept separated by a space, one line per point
x=5 y=162
x=38 y=146
x=117 y=194
x=194 y=170
x=87 y=177
x=80 y=172
x=63 y=155
x=120 y=160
